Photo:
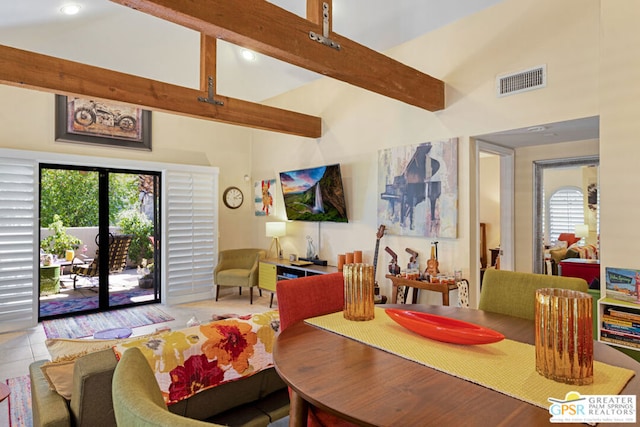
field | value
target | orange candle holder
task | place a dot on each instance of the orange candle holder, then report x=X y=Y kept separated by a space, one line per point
x=357 y=257
x=349 y=258
x=341 y=261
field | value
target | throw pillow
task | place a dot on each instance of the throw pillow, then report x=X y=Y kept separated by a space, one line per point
x=561 y=244
x=570 y=238
x=62 y=349
x=64 y=352
x=59 y=375
x=558 y=255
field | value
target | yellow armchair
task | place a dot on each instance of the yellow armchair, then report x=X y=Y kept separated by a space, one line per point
x=238 y=267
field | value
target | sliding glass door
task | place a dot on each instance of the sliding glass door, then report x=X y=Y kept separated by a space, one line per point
x=99 y=235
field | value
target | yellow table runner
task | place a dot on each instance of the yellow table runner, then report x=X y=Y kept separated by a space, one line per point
x=508 y=367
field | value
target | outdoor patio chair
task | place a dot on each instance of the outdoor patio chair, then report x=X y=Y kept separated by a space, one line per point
x=118 y=252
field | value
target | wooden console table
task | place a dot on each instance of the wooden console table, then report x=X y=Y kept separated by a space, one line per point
x=396 y=281
x=273 y=269
x=49 y=279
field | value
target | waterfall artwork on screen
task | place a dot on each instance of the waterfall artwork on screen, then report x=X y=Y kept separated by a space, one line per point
x=314 y=194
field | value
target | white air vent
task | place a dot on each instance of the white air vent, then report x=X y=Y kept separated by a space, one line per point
x=522 y=81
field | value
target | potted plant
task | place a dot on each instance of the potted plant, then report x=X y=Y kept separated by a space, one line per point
x=145 y=275
x=59 y=241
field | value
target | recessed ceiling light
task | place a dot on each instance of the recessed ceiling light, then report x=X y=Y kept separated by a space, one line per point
x=70 y=9
x=248 y=55
x=536 y=129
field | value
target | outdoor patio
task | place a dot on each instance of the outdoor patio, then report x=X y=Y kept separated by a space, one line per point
x=123 y=289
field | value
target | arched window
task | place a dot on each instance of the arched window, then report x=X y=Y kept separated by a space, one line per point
x=566 y=210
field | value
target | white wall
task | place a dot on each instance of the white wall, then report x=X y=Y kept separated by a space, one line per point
x=619 y=91
x=27 y=120
x=467 y=56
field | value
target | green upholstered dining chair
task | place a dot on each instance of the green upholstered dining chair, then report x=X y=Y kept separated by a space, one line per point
x=513 y=293
x=137 y=399
x=238 y=267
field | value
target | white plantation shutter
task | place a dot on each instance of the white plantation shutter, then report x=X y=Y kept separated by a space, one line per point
x=190 y=230
x=18 y=213
x=566 y=210
x=191 y=234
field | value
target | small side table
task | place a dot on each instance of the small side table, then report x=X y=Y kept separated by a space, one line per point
x=5 y=391
x=49 y=279
x=396 y=281
x=112 y=334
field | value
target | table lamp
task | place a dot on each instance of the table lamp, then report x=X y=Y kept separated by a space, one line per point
x=582 y=231
x=276 y=230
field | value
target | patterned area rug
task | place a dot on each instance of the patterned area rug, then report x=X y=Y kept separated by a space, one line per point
x=52 y=307
x=20 y=414
x=86 y=325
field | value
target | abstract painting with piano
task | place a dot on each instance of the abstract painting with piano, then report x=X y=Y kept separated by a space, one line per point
x=418 y=187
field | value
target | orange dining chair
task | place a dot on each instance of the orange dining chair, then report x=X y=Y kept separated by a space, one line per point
x=309 y=296
x=306 y=297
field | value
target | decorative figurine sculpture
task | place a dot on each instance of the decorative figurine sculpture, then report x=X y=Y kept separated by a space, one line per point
x=311 y=249
x=432 y=263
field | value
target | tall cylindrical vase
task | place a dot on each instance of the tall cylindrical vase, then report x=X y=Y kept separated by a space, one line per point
x=358 y=291
x=564 y=335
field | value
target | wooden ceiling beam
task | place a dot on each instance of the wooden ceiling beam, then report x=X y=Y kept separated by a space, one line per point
x=314 y=12
x=208 y=60
x=263 y=27
x=41 y=72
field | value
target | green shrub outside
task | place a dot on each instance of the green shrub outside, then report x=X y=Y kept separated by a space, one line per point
x=59 y=241
x=135 y=223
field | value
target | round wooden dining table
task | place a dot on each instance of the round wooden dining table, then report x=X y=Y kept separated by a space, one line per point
x=371 y=387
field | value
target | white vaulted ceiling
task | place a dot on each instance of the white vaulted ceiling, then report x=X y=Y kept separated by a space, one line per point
x=112 y=36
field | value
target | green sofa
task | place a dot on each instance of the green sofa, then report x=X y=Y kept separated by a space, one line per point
x=255 y=400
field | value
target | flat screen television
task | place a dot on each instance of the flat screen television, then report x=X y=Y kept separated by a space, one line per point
x=314 y=194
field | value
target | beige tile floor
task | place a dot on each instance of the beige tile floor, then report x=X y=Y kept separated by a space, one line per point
x=19 y=349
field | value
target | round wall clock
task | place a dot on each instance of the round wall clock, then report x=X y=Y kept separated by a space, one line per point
x=232 y=197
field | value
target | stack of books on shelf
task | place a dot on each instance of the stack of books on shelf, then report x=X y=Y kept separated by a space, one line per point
x=621 y=326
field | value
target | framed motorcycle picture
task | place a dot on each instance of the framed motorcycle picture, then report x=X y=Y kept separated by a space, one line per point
x=92 y=121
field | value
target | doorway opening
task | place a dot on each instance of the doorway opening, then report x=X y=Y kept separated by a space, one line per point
x=499 y=244
x=577 y=173
x=495 y=206
x=99 y=239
